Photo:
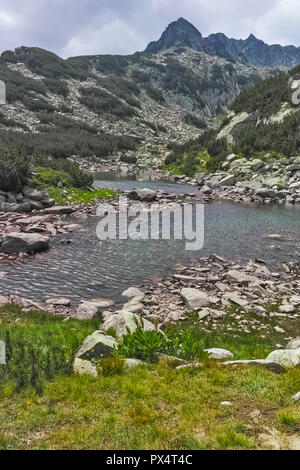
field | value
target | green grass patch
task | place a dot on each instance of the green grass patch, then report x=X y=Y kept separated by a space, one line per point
x=67 y=196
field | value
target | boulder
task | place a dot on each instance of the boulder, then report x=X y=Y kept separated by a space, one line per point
x=132 y=292
x=266 y=364
x=296 y=397
x=241 y=278
x=236 y=299
x=286 y=357
x=217 y=353
x=228 y=181
x=124 y=323
x=87 y=311
x=294 y=343
x=145 y=195
x=194 y=298
x=32 y=193
x=96 y=346
x=24 y=243
x=82 y=367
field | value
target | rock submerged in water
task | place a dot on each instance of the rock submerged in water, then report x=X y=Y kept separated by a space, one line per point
x=24 y=243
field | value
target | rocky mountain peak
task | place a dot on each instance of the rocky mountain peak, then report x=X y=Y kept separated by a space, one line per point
x=178 y=33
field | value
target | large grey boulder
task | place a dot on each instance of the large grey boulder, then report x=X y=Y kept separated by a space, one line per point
x=124 y=323
x=145 y=195
x=294 y=343
x=24 y=243
x=194 y=298
x=286 y=357
x=266 y=364
x=96 y=346
x=82 y=367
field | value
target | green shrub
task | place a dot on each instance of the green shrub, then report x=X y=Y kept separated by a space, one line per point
x=51 y=171
x=14 y=168
x=128 y=159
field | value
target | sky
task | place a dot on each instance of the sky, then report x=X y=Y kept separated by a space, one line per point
x=79 y=27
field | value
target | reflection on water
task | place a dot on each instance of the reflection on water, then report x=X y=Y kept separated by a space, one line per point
x=235 y=231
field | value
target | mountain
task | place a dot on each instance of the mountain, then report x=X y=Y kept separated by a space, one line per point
x=251 y=51
x=258 y=143
x=113 y=106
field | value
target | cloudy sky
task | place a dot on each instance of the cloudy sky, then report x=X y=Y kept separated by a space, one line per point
x=76 y=27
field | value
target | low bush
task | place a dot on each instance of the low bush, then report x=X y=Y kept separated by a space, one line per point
x=14 y=168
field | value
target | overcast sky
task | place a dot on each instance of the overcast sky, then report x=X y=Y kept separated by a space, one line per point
x=76 y=27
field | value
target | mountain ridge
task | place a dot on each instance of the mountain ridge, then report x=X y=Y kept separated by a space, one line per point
x=251 y=51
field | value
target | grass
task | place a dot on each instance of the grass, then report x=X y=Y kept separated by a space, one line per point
x=151 y=407
x=71 y=195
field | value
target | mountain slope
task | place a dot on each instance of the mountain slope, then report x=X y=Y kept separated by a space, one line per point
x=116 y=105
x=264 y=125
x=250 y=51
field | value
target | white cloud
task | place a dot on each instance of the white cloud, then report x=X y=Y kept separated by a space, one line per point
x=112 y=38
x=70 y=27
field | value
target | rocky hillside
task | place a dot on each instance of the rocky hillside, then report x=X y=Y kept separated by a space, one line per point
x=129 y=106
x=251 y=51
x=255 y=153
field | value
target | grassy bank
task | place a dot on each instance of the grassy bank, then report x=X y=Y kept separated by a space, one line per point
x=151 y=407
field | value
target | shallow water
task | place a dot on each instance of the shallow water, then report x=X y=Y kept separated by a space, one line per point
x=235 y=231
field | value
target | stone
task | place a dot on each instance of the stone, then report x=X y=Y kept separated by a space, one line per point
x=241 y=278
x=287 y=309
x=295 y=300
x=228 y=181
x=87 y=311
x=96 y=346
x=256 y=164
x=124 y=323
x=234 y=298
x=132 y=363
x=2 y=353
x=266 y=364
x=226 y=403
x=59 y=302
x=24 y=243
x=132 y=292
x=4 y=300
x=218 y=353
x=82 y=367
x=32 y=193
x=204 y=314
x=286 y=357
x=169 y=361
x=145 y=195
x=194 y=298
x=60 y=210
x=294 y=343
x=296 y=397
x=102 y=303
